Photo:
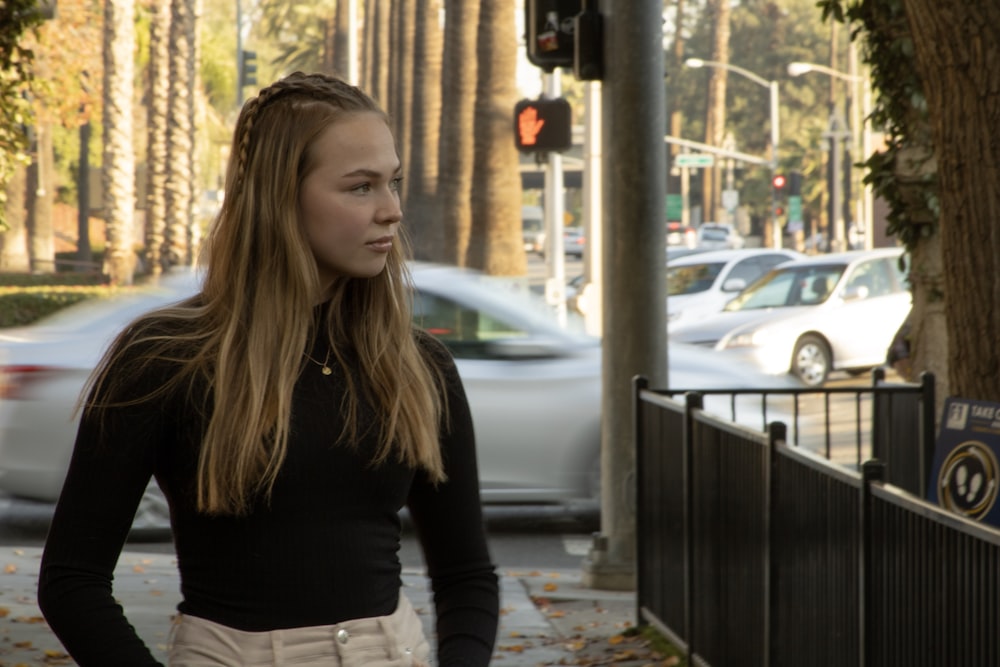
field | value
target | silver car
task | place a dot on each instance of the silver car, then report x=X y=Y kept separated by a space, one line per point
x=811 y=316
x=534 y=387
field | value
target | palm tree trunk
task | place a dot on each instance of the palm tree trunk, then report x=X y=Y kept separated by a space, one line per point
x=156 y=130
x=178 y=185
x=119 y=160
x=715 y=121
x=458 y=95
x=41 y=234
x=496 y=245
x=14 y=240
x=421 y=198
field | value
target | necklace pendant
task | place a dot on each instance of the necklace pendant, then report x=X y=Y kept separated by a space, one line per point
x=327 y=370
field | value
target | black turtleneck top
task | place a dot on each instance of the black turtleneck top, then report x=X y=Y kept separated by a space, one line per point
x=324 y=549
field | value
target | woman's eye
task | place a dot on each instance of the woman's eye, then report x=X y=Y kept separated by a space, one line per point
x=396 y=183
x=363 y=188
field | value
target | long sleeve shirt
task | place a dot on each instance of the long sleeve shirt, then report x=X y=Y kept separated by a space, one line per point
x=322 y=549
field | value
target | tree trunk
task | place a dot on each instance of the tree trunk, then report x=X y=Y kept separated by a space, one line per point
x=381 y=58
x=458 y=95
x=156 y=130
x=14 y=241
x=341 y=32
x=178 y=186
x=496 y=244
x=119 y=160
x=421 y=199
x=41 y=186
x=958 y=59
x=401 y=79
x=715 y=121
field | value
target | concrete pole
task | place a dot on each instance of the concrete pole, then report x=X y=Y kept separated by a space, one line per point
x=634 y=242
x=593 y=318
x=555 y=249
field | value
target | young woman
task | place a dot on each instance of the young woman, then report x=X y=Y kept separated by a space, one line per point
x=288 y=412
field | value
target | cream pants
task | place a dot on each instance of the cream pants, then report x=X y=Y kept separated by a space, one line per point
x=396 y=640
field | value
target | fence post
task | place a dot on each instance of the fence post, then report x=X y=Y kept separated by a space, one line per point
x=872 y=470
x=692 y=401
x=777 y=432
x=927 y=430
x=639 y=384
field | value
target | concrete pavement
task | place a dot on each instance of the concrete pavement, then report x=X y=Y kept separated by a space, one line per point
x=547 y=617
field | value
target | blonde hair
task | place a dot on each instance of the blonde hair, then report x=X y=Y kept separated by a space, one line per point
x=247 y=331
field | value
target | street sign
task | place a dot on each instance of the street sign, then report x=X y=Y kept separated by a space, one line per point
x=694 y=160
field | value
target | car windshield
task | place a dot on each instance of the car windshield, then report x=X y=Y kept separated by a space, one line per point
x=692 y=278
x=714 y=234
x=790 y=286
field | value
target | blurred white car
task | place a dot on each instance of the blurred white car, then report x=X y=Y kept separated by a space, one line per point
x=719 y=235
x=702 y=284
x=534 y=387
x=811 y=316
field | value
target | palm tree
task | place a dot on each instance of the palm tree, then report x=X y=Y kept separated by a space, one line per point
x=421 y=197
x=156 y=131
x=715 y=120
x=400 y=76
x=180 y=177
x=495 y=244
x=14 y=239
x=458 y=95
x=119 y=160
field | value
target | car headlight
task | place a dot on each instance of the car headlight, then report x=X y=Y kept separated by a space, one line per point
x=747 y=339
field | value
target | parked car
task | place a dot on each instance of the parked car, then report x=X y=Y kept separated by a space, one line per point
x=701 y=284
x=681 y=235
x=533 y=228
x=534 y=386
x=574 y=242
x=719 y=235
x=811 y=316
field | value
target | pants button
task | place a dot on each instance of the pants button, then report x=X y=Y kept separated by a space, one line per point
x=343 y=636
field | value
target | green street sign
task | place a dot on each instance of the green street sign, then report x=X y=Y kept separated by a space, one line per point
x=675 y=207
x=794 y=208
x=694 y=160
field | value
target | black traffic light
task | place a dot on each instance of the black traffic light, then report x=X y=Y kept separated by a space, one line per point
x=543 y=125
x=248 y=68
x=588 y=43
x=778 y=183
x=549 y=32
x=795 y=183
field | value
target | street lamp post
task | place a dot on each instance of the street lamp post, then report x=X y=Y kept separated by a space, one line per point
x=772 y=87
x=799 y=68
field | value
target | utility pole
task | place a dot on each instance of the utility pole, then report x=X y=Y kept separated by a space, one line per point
x=633 y=269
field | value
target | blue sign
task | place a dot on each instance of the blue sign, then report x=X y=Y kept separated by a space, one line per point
x=965 y=476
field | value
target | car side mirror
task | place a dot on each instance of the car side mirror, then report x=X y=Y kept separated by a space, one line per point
x=734 y=285
x=856 y=293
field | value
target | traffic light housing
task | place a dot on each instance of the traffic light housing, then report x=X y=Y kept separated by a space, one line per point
x=248 y=68
x=549 y=28
x=543 y=125
x=778 y=183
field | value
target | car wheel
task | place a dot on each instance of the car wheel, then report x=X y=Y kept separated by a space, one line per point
x=811 y=360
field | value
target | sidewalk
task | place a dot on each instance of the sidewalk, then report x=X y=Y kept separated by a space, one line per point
x=547 y=617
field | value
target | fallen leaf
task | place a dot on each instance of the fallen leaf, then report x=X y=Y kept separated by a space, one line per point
x=4 y=612
x=9 y=568
x=138 y=569
x=617 y=639
x=549 y=587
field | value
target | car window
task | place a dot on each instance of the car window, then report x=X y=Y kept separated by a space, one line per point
x=751 y=268
x=798 y=286
x=465 y=331
x=692 y=278
x=875 y=275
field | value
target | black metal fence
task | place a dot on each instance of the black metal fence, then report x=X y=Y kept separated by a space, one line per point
x=755 y=550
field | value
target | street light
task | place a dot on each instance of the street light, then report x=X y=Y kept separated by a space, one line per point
x=799 y=68
x=772 y=87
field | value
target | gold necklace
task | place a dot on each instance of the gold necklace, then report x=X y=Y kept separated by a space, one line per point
x=324 y=367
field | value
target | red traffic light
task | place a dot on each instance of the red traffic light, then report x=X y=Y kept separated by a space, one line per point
x=778 y=181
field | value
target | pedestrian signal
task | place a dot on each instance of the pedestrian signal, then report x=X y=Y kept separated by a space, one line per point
x=778 y=181
x=543 y=125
